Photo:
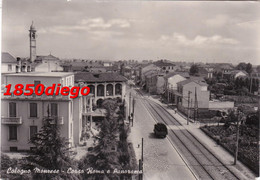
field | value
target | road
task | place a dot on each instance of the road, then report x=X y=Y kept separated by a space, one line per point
x=161 y=160
x=205 y=164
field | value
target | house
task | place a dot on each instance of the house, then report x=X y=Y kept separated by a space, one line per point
x=8 y=64
x=235 y=74
x=165 y=66
x=223 y=67
x=189 y=92
x=103 y=85
x=205 y=72
x=145 y=69
x=22 y=116
x=170 y=86
x=47 y=66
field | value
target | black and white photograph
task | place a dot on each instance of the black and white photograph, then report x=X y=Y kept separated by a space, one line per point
x=129 y=90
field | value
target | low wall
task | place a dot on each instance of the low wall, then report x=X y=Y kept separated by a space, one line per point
x=215 y=105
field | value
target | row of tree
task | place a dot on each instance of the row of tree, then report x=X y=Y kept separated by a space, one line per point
x=52 y=152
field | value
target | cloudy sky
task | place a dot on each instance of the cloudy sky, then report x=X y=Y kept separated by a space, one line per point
x=178 y=31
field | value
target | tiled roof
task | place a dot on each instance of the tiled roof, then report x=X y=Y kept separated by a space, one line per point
x=201 y=83
x=98 y=77
x=8 y=58
x=183 y=74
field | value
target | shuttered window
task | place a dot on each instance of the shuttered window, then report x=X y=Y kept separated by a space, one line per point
x=12 y=109
x=33 y=109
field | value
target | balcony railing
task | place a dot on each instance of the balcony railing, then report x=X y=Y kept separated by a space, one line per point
x=11 y=120
x=55 y=119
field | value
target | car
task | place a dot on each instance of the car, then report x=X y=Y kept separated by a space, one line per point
x=160 y=130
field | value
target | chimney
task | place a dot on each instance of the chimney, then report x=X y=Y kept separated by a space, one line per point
x=18 y=66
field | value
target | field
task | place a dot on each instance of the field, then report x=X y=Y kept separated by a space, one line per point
x=248 y=142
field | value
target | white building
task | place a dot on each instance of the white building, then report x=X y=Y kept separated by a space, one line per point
x=8 y=64
x=22 y=116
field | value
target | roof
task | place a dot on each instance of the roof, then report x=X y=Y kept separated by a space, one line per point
x=49 y=57
x=42 y=74
x=183 y=74
x=234 y=72
x=162 y=63
x=98 y=77
x=201 y=83
x=8 y=58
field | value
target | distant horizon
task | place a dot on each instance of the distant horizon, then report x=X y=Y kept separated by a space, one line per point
x=192 y=32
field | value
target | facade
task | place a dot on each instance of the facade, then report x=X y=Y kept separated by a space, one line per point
x=102 y=85
x=171 y=81
x=205 y=72
x=8 y=64
x=145 y=69
x=22 y=116
x=189 y=86
x=165 y=66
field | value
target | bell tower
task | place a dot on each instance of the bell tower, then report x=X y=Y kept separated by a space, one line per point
x=32 y=36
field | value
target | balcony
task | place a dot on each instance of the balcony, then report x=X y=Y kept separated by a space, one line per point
x=53 y=120
x=11 y=120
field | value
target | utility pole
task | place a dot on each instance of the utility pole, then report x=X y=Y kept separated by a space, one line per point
x=141 y=161
x=196 y=108
x=250 y=87
x=237 y=139
x=133 y=112
x=188 y=107
x=129 y=112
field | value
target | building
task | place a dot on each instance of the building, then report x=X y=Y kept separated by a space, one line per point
x=170 y=86
x=22 y=116
x=8 y=64
x=32 y=35
x=205 y=72
x=187 y=97
x=103 y=85
x=165 y=66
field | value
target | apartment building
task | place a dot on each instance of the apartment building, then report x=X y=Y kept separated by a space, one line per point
x=22 y=116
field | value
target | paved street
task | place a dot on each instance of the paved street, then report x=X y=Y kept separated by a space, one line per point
x=161 y=160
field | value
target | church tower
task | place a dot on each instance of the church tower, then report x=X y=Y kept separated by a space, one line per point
x=32 y=36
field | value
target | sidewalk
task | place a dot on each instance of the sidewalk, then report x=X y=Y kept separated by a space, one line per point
x=240 y=169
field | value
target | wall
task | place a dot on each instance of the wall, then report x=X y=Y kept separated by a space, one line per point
x=23 y=129
x=48 y=67
x=202 y=96
x=4 y=67
x=221 y=104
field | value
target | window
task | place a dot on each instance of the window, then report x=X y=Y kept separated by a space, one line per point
x=33 y=131
x=33 y=109
x=54 y=109
x=9 y=67
x=12 y=109
x=12 y=132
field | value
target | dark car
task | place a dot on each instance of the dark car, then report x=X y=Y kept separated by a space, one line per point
x=160 y=130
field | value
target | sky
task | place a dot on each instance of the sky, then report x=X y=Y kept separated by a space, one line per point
x=121 y=30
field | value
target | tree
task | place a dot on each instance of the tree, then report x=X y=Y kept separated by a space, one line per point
x=249 y=68
x=258 y=68
x=51 y=152
x=194 y=70
x=246 y=67
x=241 y=66
x=104 y=155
